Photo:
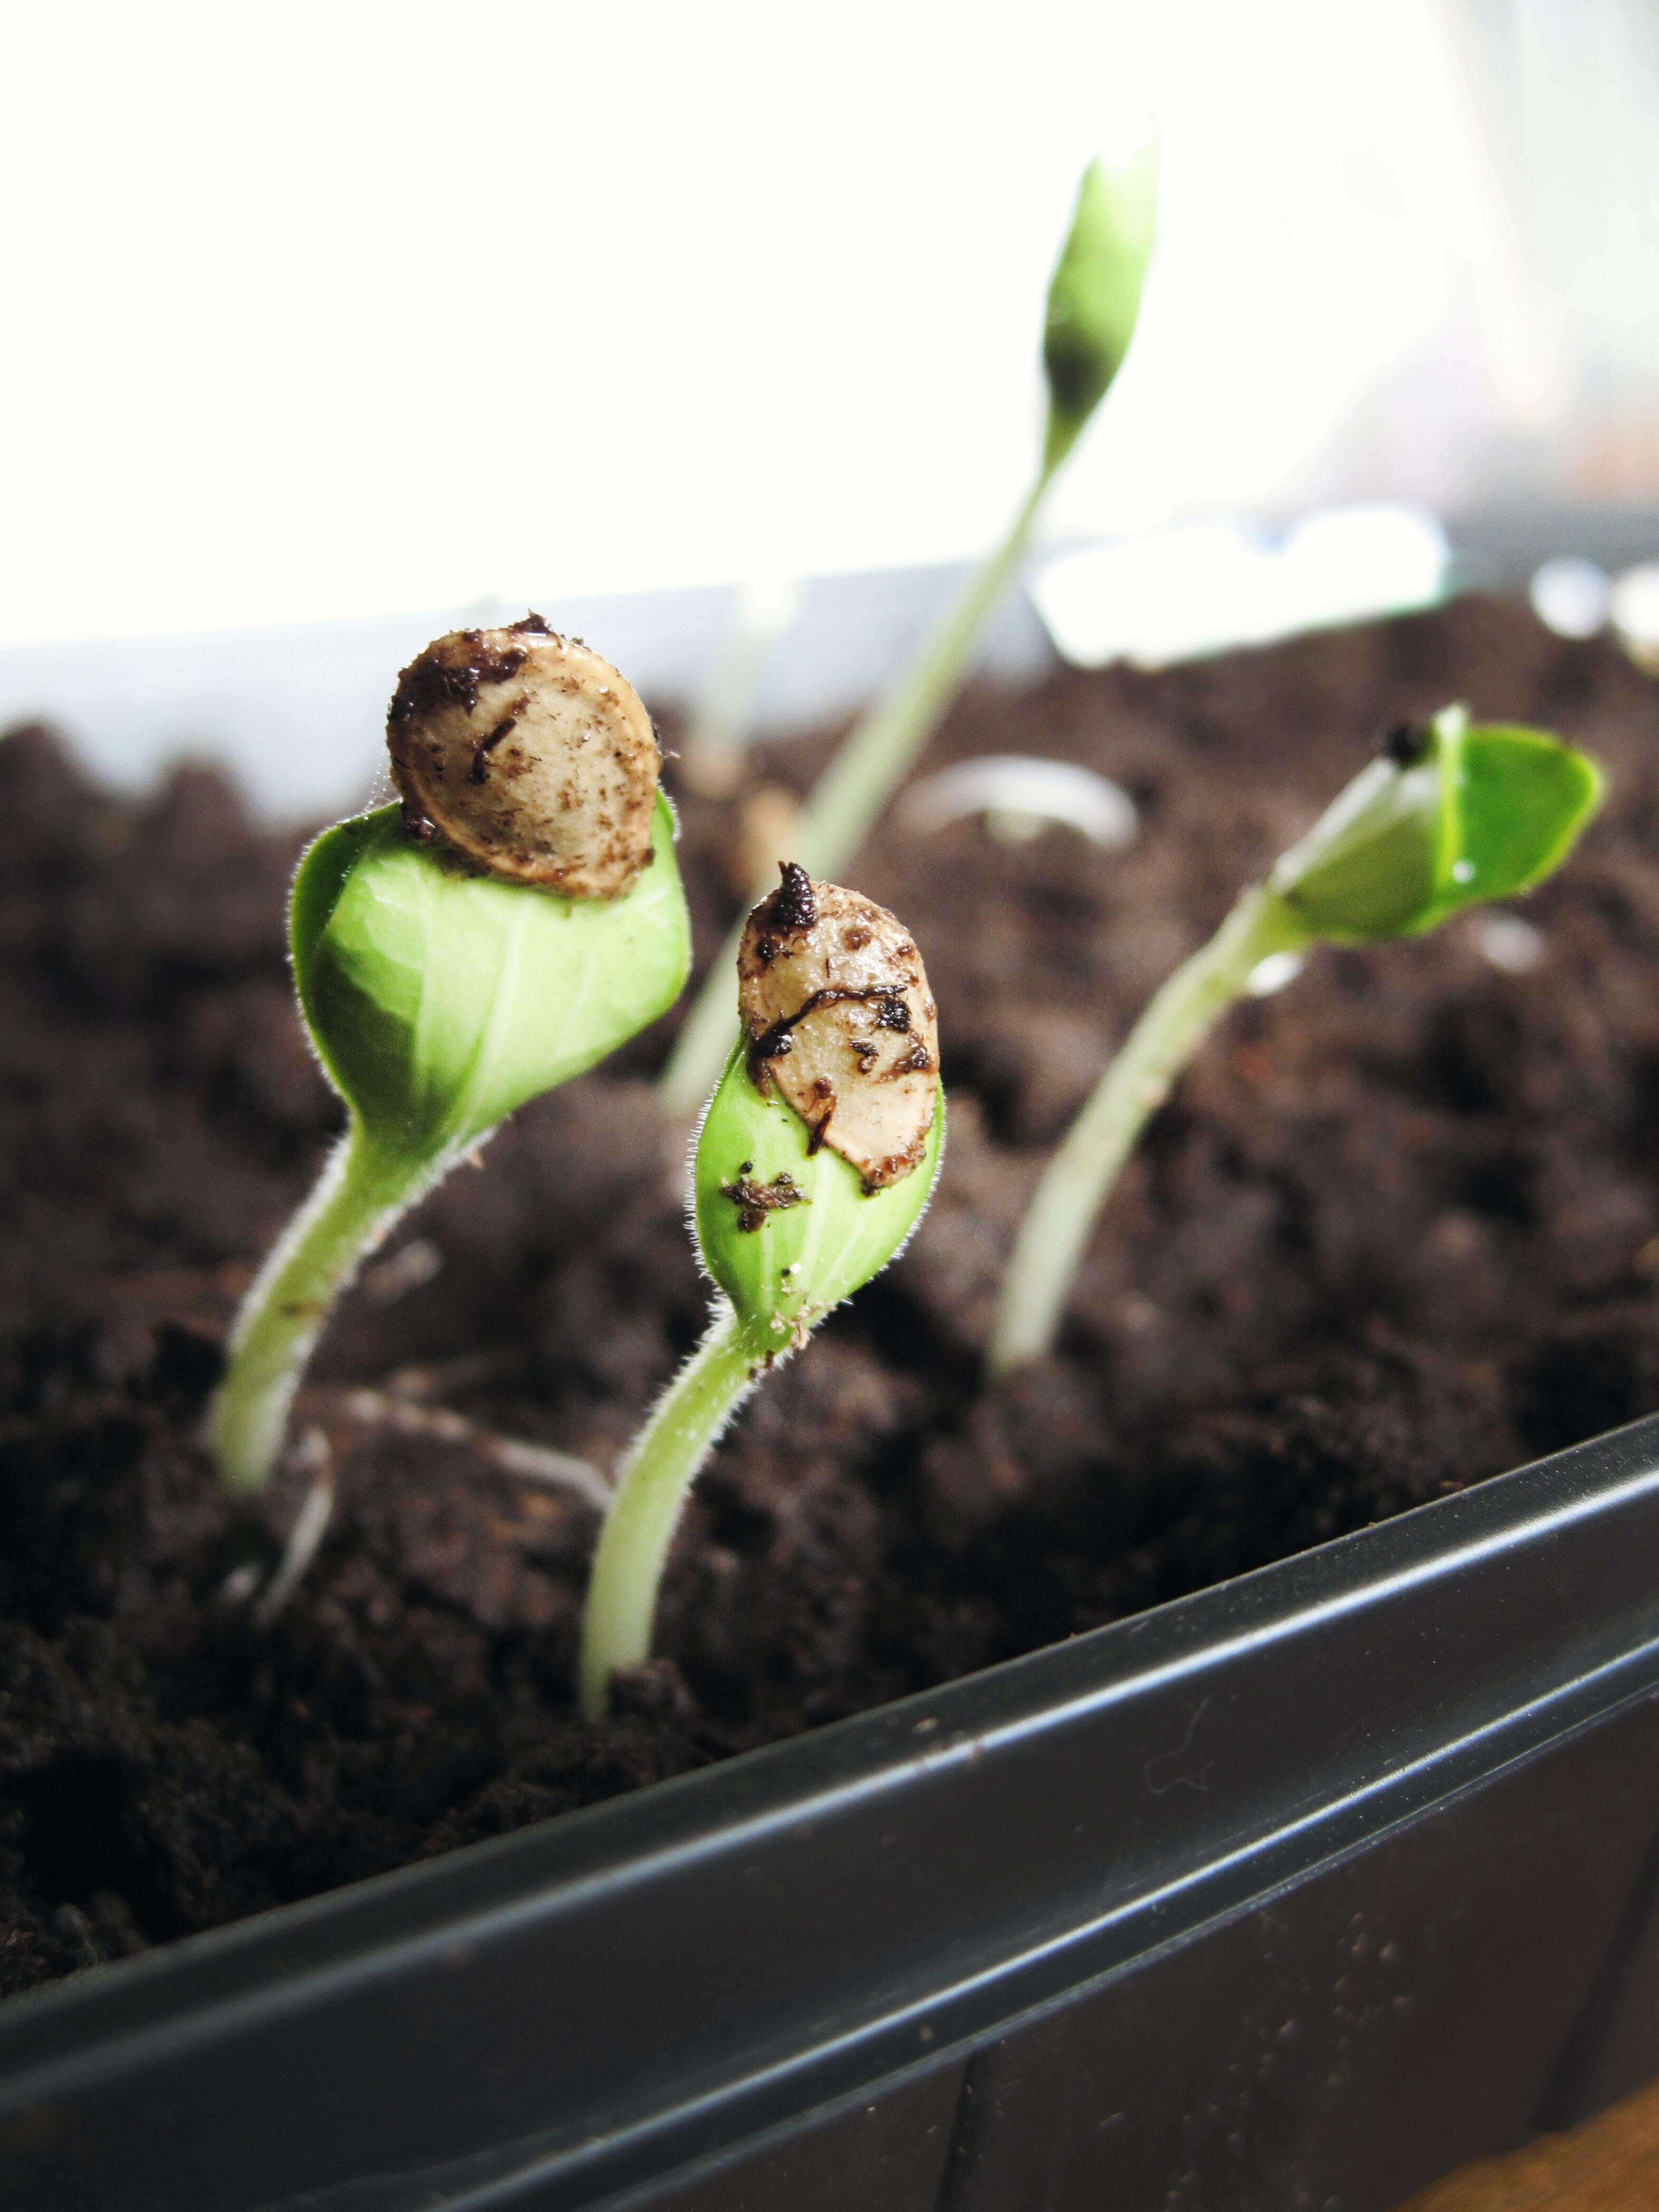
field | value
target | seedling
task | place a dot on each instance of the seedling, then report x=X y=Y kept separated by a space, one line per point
x=1446 y=818
x=713 y=757
x=1094 y=300
x=516 y=918
x=814 y=1164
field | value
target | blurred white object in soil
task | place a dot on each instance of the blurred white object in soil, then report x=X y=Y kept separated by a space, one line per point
x=411 y=1267
x=1273 y=973
x=1569 y=596
x=1633 y=604
x=1208 y=586
x=1506 y=942
x=1020 y=795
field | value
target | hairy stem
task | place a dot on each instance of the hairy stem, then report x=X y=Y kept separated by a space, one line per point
x=633 y=1547
x=850 y=794
x=1056 y=1230
x=358 y=1196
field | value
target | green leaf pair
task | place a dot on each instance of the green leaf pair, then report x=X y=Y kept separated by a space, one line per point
x=1448 y=818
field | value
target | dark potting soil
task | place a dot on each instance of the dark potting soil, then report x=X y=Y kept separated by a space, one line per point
x=1398 y=1230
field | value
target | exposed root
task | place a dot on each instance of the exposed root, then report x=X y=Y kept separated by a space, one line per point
x=311 y=1451
x=402 y=1412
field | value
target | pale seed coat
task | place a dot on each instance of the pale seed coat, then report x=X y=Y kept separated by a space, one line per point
x=530 y=754
x=838 y=1017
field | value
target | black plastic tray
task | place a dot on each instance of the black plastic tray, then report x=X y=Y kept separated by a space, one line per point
x=1293 y=1894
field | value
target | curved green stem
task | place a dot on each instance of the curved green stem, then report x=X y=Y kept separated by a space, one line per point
x=358 y=1196
x=633 y=1547
x=854 y=789
x=1056 y=1230
x=858 y=783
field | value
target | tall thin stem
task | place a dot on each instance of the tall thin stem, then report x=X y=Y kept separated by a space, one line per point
x=852 y=790
x=633 y=1547
x=358 y=1196
x=1056 y=1230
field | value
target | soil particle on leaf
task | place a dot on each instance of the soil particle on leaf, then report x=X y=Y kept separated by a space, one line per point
x=754 y=1200
x=1397 y=1230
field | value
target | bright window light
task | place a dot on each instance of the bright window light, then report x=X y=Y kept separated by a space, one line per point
x=1174 y=593
x=537 y=301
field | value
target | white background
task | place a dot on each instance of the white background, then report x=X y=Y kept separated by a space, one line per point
x=320 y=312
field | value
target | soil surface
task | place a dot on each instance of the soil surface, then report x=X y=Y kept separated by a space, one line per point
x=1397 y=1230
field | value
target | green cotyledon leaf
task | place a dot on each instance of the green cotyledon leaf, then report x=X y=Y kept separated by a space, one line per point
x=788 y=1232
x=441 y=997
x=1094 y=295
x=1448 y=818
x=1521 y=799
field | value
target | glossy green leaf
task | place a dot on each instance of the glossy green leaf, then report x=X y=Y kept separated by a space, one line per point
x=1094 y=295
x=1482 y=813
x=804 y=1258
x=440 y=999
x=1521 y=799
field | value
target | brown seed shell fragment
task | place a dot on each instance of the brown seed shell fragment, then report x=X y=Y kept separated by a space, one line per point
x=835 y=1007
x=530 y=754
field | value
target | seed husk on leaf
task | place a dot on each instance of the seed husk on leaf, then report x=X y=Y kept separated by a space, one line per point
x=530 y=754
x=838 y=1017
